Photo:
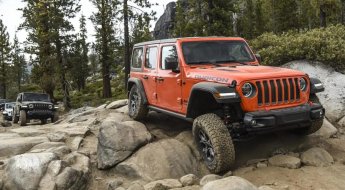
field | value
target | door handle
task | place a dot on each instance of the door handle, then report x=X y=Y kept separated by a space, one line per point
x=160 y=79
x=145 y=77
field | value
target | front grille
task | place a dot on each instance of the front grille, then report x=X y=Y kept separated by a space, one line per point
x=277 y=91
x=41 y=106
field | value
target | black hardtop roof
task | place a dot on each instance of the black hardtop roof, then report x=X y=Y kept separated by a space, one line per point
x=34 y=93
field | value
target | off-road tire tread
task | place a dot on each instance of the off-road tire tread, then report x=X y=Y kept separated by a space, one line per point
x=22 y=117
x=15 y=119
x=142 y=109
x=316 y=125
x=55 y=118
x=43 y=121
x=220 y=138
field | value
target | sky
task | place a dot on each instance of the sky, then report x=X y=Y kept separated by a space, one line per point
x=12 y=17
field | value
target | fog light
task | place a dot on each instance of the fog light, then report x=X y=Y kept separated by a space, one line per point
x=253 y=122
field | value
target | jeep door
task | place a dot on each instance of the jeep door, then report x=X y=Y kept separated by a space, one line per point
x=149 y=74
x=169 y=79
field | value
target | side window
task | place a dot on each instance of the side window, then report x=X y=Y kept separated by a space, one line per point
x=137 y=58
x=169 y=58
x=151 y=58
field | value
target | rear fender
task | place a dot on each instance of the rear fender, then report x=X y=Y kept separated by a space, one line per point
x=139 y=84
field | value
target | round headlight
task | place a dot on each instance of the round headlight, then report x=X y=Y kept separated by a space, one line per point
x=31 y=106
x=247 y=90
x=302 y=84
x=50 y=107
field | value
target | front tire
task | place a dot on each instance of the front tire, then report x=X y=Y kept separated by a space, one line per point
x=136 y=108
x=22 y=116
x=43 y=121
x=55 y=118
x=214 y=142
x=15 y=118
x=315 y=125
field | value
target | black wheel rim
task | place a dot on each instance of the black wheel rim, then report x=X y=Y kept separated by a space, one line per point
x=134 y=102
x=206 y=146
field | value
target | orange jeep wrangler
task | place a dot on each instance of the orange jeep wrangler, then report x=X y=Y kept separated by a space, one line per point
x=218 y=84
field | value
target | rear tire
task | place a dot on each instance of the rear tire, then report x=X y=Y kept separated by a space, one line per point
x=136 y=108
x=22 y=116
x=214 y=142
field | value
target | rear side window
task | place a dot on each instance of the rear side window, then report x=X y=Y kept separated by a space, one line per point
x=137 y=58
x=151 y=58
x=168 y=52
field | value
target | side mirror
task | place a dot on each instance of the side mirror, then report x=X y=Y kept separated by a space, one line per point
x=258 y=57
x=172 y=64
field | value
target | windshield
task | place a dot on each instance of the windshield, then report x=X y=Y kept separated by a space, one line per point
x=9 y=106
x=217 y=52
x=36 y=97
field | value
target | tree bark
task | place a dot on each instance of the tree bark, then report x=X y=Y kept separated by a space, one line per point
x=105 y=56
x=126 y=36
x=323 y=17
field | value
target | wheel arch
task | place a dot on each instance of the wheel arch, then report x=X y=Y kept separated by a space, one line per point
x=139 y=84
x=208 y=96
x=316 y=86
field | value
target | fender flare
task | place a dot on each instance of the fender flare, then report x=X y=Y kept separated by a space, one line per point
x=139 y=84
x=316 y=86
x=221 y=93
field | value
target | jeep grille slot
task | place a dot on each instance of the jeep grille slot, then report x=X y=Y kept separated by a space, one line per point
x=277 y=91
x=40 y=106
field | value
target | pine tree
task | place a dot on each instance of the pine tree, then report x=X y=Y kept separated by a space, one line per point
x=19 y=64
x=48 y=25
x=205 y=18
x=80 y=56
x=105 y=38
x=38 y=24
x=4 y=58
x=127 y=12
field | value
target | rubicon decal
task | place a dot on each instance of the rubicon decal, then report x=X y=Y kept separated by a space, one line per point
x=212 y=78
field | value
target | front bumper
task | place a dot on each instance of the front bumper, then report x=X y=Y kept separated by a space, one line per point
x=7 y=117
x=282 y=119
x=39 y=114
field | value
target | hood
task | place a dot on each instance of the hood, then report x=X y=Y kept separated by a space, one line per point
x=240 y=73
x=36 y=102
x=8 y=109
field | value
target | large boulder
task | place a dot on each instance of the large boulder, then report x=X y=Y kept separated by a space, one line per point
x=317 y=157
x=333 y=98
x=164 y=184
x=208 y=178
x=326 y=131
x=117 y=141
x=165 y=24
x=285 y=161
x=25 y=171
x=117 y=104
x=167 y=158
x=19 y=145
x=230 y=183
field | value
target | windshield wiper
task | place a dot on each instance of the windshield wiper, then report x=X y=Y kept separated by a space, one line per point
x=232 y=61
x=205 y=62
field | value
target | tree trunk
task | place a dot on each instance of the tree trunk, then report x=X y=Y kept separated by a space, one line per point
x=3 y=75
x=61 y=66
x=126 y=36
x=323 y=17
x=105 y=56
x=343 y=12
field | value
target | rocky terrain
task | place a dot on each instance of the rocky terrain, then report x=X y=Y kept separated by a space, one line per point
x=102 y=148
